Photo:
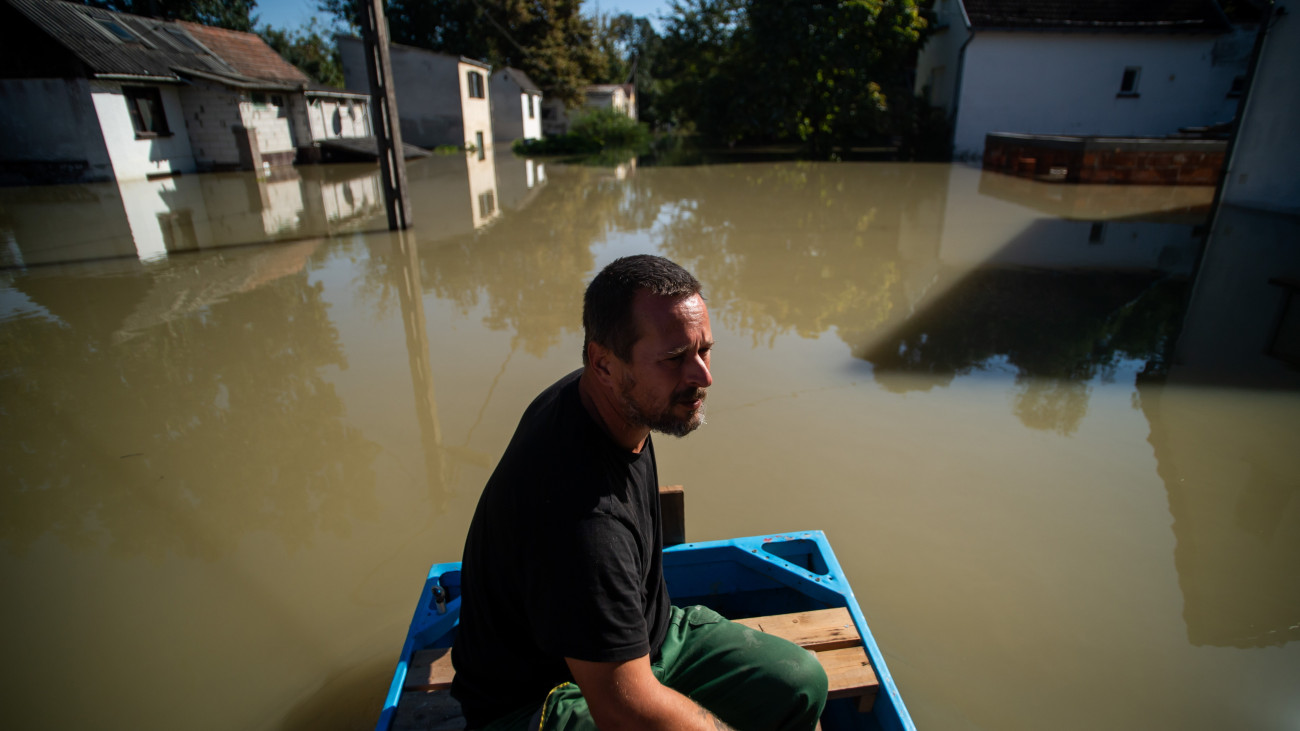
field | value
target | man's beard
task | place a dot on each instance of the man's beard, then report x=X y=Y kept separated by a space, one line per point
x=665 y=422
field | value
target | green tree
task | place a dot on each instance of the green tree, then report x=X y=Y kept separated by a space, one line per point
x=309 y=49
x=231 y=14
x=550 y=40
x=822 y=73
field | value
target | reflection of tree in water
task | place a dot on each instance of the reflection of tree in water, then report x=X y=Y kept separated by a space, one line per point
x=531 y=267
x=184 y=436
x=1058 y=329
x=795 y=247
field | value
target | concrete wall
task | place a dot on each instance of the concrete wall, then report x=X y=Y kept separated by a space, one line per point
x=1069 y=83
x=1262 y=171
x=510 y=110
x=334 y=118
x=429 y=92
x=271 y=121
x=212 y=112
x=139 y=158
x=49 y=132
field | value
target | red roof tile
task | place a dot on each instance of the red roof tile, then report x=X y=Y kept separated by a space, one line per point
x=246 y=52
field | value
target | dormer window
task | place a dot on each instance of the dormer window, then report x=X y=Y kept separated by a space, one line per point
x=474 y=82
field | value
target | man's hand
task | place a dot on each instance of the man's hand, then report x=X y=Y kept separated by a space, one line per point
x=627 y=695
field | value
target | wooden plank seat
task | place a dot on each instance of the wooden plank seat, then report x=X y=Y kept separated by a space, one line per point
x=426 y=703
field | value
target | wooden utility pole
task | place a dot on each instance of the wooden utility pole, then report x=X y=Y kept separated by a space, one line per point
x=383 y=110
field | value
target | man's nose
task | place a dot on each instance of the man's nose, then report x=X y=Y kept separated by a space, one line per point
x=697 y=374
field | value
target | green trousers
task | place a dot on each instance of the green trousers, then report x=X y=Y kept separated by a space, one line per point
x=749 y=679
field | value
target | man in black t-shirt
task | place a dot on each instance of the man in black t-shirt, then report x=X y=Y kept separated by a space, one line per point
x=565 y=618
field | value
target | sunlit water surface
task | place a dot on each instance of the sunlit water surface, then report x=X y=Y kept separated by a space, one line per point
x=227 y=467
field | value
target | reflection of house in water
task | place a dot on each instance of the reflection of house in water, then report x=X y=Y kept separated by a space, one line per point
x=150 y=219
x=1231 y=479
x=453 y=195
x=518 y=180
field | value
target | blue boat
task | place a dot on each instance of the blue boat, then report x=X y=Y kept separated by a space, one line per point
x=787 y=584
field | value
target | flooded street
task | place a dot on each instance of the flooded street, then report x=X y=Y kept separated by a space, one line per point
x=237 y=425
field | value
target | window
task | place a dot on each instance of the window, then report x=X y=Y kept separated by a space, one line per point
x=1128 y=85
x=487 y=204
x=1238 y=87
x=120 y=33
x=475 y=84
x=146 y=107
x=478 y=142
x=532 y=107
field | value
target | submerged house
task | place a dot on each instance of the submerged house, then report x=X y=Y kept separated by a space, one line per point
x=557 y=119
x=1130 y=68
x=441 y=99
x=91 y=95
x=516 y=106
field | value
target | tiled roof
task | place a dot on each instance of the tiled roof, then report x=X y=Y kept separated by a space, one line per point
x=246 y=52
x=113 y=44
x=1119 y=15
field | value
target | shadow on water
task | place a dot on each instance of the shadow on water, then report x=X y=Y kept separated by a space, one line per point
x=1223 y=433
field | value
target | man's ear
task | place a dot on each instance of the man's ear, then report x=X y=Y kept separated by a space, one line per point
x=602 y=363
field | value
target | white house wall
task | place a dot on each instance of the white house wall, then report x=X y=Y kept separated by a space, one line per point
x=1263 y=170
x=139 y=158
x=271 y=123
x=51 y=121
x=333 y=118
x=429 y=91
x=533 y=122
x=1068 y=83
x=477 y=112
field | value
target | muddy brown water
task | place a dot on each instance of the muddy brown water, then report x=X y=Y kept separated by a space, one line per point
x=237 y=424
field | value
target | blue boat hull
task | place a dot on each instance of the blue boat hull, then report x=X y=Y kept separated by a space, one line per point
x=741 y=577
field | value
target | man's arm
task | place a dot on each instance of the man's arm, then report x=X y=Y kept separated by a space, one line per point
x=627 y=695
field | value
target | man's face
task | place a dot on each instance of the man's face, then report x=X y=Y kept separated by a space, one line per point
x=663 y=386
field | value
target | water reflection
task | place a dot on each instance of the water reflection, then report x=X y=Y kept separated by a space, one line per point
x=1235 y=506
x=150 y=219
x=212 y=415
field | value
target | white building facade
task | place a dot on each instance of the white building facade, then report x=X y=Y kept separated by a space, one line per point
x=999 y=66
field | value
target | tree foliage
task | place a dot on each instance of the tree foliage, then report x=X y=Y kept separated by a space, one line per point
x=308 y=48
x=550 y=40
x=231 y=14
x=823 y=72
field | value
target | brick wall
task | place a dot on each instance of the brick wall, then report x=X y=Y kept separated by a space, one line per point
x=1136 y=161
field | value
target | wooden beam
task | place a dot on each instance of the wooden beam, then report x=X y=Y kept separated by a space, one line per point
x=821 y=630
x=383 y=114
x=672 y=510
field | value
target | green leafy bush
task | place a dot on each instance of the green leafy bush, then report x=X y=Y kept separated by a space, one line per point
x=600 y=129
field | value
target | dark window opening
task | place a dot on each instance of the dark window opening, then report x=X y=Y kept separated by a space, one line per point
x=487 y=204
x=1096 y=232
x=475 y=82
x=532 y=107
x=1238 y=87
x=1128 y=85
x=146 y=107
x=478 y=142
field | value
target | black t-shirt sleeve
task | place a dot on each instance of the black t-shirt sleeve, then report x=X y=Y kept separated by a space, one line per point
x=587 y=597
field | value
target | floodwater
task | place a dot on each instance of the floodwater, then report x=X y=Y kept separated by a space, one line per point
x=237 y=425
